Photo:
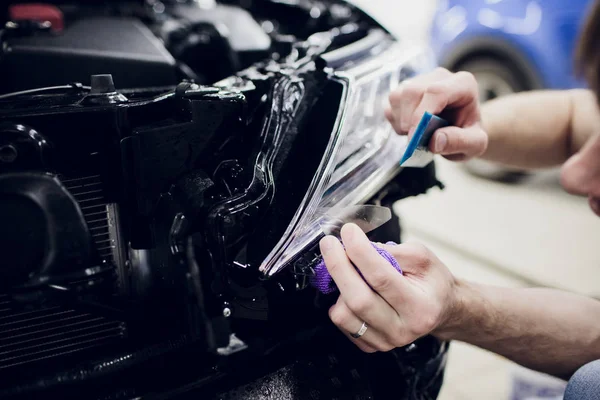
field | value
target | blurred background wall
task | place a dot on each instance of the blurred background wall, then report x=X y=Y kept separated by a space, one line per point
x=405 y=18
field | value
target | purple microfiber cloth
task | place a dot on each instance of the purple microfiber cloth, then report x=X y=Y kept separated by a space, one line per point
x=324 y=283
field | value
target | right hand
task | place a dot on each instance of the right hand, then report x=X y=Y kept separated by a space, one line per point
x=454 y=94
x=397 y=308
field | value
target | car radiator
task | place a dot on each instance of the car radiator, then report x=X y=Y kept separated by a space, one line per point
x=33 y=334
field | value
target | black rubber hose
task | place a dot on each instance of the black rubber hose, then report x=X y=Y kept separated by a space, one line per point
x=43 y=90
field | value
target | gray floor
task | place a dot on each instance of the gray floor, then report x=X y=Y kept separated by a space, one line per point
x=531 y=234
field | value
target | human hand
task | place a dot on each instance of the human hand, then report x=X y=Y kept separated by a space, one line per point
x=454 y=94
x=399 y=308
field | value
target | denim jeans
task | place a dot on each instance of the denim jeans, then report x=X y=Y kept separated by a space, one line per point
x=585 y=383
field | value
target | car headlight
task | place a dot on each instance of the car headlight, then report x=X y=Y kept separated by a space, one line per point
x=363 y=153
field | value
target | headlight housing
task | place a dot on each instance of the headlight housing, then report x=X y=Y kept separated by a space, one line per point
x=363 y=153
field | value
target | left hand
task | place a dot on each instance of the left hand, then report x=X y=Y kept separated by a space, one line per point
x=442 y=91
x=399 y=308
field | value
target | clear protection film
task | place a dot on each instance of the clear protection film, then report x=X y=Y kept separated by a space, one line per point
x=367 y=217
x=363 y=153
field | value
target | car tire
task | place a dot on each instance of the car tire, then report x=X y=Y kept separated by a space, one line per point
x=496 y=78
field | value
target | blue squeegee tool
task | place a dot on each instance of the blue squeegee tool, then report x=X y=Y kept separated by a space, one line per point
x=417 y=152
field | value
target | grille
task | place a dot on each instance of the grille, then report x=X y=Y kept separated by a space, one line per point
x=89 y=194
x=35 y=334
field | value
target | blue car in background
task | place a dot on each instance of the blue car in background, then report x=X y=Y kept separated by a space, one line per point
x=510 y=45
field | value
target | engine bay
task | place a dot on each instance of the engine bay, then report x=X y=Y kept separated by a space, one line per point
x=152 y=156
x=170 y=41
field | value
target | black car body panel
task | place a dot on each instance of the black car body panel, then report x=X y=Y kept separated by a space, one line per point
x=134 y=218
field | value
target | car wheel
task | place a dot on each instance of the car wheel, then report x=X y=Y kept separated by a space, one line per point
x=495 y=78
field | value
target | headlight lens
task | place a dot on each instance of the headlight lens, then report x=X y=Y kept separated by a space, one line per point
x=363 y=153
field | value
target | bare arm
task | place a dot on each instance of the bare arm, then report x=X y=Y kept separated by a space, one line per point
x=544 y=329
x=540 y=128
x=547 y=330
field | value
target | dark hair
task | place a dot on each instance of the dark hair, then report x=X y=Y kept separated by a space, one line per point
x=588 y=50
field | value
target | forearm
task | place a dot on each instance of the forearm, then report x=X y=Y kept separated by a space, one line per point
x=538 y=129
x=547 y=330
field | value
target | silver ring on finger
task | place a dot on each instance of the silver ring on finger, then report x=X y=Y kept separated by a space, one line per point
x=360 y=332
